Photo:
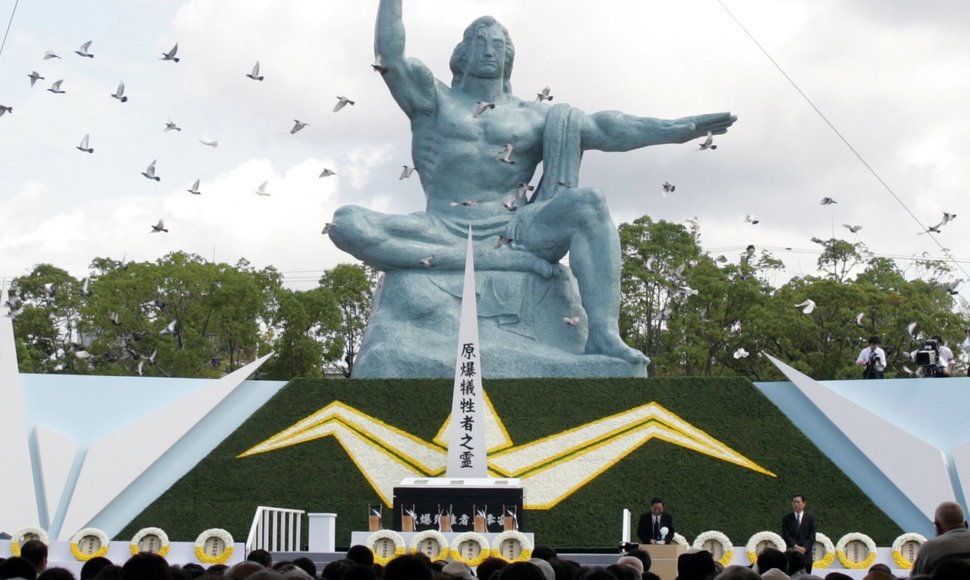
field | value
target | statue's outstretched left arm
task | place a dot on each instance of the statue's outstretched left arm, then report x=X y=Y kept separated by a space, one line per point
x=615 y=131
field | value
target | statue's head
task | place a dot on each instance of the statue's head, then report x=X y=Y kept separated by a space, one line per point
x=482 y=26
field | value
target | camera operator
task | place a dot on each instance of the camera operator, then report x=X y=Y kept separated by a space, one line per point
x=873 y=358
x=947 y=360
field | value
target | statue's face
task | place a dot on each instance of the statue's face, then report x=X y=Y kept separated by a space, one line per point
x=487 y=56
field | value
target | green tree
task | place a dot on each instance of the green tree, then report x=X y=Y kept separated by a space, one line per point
x=352 y=285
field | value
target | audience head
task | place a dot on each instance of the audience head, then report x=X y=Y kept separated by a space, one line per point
x=18 y=567
x=796 y=560
x=216 y=571
x=408 y=567
x=146 y=566
x=596 y=573
x=634 y=563
x=837 y=576
x=523 y=571
x=949 y=515
x=243 y=570
x=544 y=552
x=360 y=555
x=566 y=569
x=643 y=556
x=267 y=574
x=695 y=565
x=360 y=572
x=36 y=552
x=93 y=566
x=545 y=567
x=458 y=571
x=261 y=557
x=624 y=572
x=737 y=573
x=56 y=574
x=110 y=572
x=772 y=558
x=307 y=565
x=489 y=566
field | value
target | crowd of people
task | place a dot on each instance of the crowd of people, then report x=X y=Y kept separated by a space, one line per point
x=944 y=557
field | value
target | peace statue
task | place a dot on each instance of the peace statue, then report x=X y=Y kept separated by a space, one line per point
x=476 y=148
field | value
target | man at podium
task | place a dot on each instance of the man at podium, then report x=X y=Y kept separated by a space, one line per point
x=656 y=526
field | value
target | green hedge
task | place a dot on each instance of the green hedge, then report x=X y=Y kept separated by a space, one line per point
x=701 y=492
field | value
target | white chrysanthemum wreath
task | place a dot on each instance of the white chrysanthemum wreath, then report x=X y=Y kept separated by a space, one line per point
x=483 y=548
x=856 y=537
x=79 y=537
x=143 y=533
x=727 y=549
x=898 y=557
x=525 y=545
x=439 y=538
x=829 y=557
x=752 y=547
x=221 y=557
x=28 y=532
x=381 y=556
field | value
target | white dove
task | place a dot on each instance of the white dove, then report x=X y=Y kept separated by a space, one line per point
x=56 y=87
x=378 y=65
x=406 y=172
x=708 y=143
x=261 y=190
x=85 y=145
x=150 y=172
x=481 y=108
x=571 y=320
x=668 y=187
x=34 y=76
x=170 y=55
x=327 y=172
x=502 y=241
x=83 y=51
x=505 y=155
x=852 y=228
x=159 y=227
x=170 y=329
x=808 y=306
x=523 y=189
x=741 y=353
x=827 y=201
x=341 y=103
x=298 y=125
x=858 y=318
x=543 y=95
x=427 y=260
x=255 y=74
x=49 y=54
x=751 y=219
x=328 y=227
x=171 y=126
x=120 y=93
x=209 y=141
x=194 y=190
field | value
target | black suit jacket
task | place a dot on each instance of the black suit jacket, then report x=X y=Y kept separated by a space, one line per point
x=799 y=535
x=646 y=532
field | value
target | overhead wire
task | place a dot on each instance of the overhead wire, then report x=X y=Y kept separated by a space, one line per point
x=842 y=137
x=9 y=23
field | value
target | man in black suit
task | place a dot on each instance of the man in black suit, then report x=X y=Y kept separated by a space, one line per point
x=798 y=530
x=650 y=528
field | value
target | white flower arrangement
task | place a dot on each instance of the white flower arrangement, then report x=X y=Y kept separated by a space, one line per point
x=143 y=533
x=378 y=540
x=901 y=560
x=84 y=555
x=525 y=546
x=483 y=548
x=829 y=557
x=679 y=540
x=23 y=535
x=439 y=538
x=856 y=537
x=727 y=549
x=208 y=535
x=752 y=547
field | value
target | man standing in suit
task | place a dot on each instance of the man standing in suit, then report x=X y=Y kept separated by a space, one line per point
x=798 y=530
x=656 y=526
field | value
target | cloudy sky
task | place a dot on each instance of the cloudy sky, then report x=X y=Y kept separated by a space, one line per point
x=889 y=76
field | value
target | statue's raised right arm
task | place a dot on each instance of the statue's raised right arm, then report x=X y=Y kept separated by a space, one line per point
x=411 y=82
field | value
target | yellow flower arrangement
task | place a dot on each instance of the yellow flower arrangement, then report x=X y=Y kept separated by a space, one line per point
x=483 y=548
x=901 y=560
x=144 y=533
x=752 y=548
x=97 y=544
x=525 y=546
x=28 y=533
x=439 y=539
x=829 y=557
x=220 y=535
x=377 y=542
x=727 y=549
x=856 y=537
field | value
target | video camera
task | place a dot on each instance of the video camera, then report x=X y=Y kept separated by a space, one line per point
x=928 y=358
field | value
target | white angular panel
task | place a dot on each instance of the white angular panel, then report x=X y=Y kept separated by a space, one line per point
x=961 y=462
x=55 y=453
x=18 y=502
x=917 y=468
x=113 y=463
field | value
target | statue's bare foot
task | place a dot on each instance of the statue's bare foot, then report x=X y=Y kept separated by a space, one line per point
x=609 y=344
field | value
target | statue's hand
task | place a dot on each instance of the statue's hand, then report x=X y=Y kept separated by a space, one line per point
x=546 y=269
x=714 y=123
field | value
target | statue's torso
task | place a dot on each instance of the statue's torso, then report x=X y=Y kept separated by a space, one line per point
x=457 y=154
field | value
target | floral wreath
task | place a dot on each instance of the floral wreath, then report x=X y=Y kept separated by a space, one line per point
x=143 y=533
x=856 y=537
x=219 y=558
x=829 y=557
x=86 y=533
x=28 y=531
x=482 y=541
x=679 y=540
x=391 y=535
x=901 y=541
x=720 y=538
x=519 y=537
x=435 y=535
x=752 y=546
